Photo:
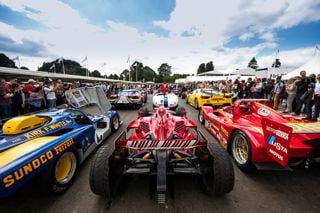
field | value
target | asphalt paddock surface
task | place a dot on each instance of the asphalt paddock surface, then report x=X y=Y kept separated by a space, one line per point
x=263 y=191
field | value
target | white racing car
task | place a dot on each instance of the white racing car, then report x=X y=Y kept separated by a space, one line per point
x=165 y=98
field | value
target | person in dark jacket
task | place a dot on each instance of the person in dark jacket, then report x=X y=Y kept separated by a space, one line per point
x=18 y=100
x=302 y=88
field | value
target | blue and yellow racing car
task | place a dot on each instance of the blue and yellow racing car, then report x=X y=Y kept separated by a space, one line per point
x=52 y=144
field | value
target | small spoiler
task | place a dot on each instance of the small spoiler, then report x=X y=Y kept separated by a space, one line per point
x=123 y=142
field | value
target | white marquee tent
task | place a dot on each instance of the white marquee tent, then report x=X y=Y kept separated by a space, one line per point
x=311 y=67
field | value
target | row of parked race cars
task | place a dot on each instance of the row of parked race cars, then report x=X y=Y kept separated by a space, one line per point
x=161 y=143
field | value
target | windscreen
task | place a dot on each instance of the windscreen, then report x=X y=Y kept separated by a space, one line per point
x=129 y=93
x=210 y=92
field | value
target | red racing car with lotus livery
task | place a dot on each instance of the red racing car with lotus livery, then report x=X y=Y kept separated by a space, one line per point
x=161 y=143
x=259 y=137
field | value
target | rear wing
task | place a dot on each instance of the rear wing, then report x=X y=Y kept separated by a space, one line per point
x=277 y=137
x=123 y=142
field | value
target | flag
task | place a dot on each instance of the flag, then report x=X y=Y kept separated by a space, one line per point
x=84 y=60
x=52 y=66
x=60 y=60
x=128 y=59
x=16 y=58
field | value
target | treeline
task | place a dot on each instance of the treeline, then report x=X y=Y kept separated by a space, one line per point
x=136 y=72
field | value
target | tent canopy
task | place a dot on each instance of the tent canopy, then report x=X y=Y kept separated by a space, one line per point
x=311 y=67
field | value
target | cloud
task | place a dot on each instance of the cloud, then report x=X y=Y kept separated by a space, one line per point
x=25 y=47
x=197 y=30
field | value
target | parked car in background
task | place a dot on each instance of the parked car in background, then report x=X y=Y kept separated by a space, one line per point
x=208 y=97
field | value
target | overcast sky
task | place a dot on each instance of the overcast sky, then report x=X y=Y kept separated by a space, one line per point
x=182 y=33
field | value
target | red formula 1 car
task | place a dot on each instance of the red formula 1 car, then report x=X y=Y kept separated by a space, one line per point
x=259 y=137
x=161 y=144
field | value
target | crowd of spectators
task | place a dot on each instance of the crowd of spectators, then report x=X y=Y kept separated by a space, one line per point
x=18 y=98
x=298 y=95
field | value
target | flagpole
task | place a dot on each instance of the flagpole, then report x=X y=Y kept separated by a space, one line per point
x=63 y=66
x=129 y=67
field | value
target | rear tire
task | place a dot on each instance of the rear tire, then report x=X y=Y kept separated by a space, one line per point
x=145 y=112
x=180 y=111
x=115 y=123
x=220 y=180
x=105 y=172
x=200 y=116
x=196 y=104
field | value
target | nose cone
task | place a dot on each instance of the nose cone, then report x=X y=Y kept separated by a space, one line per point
x=162 y=111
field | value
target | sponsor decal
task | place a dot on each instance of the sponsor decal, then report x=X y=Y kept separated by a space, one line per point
x=263 y=112
x=35 y=164
x=224 y=131
x=39 y=132
x=162 y=144
x=278 y=132
x=277 y=137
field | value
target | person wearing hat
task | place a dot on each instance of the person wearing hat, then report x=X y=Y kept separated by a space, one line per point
x=50 y=94
x=29 y=88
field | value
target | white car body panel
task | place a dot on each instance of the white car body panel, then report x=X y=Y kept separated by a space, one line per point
x=169 y=100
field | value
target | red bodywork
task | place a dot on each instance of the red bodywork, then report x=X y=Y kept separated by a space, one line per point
x=247 y=115
x=161 y=129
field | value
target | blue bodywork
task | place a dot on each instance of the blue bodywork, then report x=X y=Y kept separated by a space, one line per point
x=70 y=133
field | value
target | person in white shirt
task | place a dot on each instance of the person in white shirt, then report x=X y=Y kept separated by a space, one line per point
x=50 y=94
x=316 y=100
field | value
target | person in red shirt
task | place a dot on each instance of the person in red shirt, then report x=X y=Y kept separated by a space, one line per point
x=29 y=88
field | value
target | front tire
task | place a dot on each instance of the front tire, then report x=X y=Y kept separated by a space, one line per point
x=58 y=177
x=241 y=151
x=220 y=180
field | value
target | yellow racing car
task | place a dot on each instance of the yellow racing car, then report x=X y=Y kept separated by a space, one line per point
x=208 y=97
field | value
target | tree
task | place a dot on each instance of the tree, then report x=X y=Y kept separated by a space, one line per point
x=125 y=75
x=136 y=71
x=164 y=73
x=253 y=63
x=5 y=61
x=201 y=68
x=277 y=63
x=70 y=66
x=148 y=74
x=95 y=73
x=164 y=69
x=209 y=66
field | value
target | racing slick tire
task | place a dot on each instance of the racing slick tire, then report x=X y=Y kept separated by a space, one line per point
x=221 y=178
x=200 y=116
x=145 y=112
x=105 y=174
x=115 y=123
x=196 y=103
x=59 y=176
x=241 y=151
x=180 y=111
